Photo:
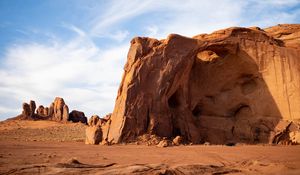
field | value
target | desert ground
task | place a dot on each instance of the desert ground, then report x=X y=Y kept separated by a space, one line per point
x=46 y=147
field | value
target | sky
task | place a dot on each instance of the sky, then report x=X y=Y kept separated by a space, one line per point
x=76 y=49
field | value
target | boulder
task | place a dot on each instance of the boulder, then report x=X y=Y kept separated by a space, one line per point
x=287 y=133
x=164 y=143
x=232 y=85
x=93 y=135
x=295 y=137
x=148 y=140
x=77 y=116
x=177 y=140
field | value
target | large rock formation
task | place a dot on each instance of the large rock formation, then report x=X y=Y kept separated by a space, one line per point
x=58 y=111
x=234 y=85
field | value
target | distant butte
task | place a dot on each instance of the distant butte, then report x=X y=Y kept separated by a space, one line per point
x=57 y=111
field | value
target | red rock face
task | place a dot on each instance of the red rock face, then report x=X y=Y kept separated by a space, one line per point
x=234 y=85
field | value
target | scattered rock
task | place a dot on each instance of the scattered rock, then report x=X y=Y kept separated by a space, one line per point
x=164 y=143
x=73 y=161
x=295 y=137
x=206 y=143
x=287 y=133
x=177 y=140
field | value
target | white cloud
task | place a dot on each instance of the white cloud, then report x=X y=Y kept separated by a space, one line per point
x=77 y=70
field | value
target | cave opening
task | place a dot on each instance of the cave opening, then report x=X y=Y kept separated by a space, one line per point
x=173 y=101
x=221 y=52
x=176 y=131
x=197 y=111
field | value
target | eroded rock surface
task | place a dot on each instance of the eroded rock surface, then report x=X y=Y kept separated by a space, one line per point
x=234 y=85
x=93 y=133
x=61 y=110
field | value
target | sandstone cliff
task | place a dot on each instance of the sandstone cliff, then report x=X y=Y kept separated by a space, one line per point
x=234 y=85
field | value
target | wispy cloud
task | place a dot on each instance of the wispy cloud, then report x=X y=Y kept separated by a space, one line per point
x=74 y=29
x=118 y=12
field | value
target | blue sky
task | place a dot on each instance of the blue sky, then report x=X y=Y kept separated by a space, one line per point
x=76 y=49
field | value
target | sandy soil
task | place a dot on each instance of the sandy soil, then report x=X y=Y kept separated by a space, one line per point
x=71 y=156
x=22 y=130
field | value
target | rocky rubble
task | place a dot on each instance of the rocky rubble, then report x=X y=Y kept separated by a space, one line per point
x=233 y=85
x=287 y=133
x=93 y=132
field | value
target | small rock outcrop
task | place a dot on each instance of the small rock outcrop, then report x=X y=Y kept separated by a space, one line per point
x=77 y=116
x=32 y=107
x=93 y=120
x=60 y=110
x=178 y=140
x=57 y=111
x=26 y=110
x=94 y=131
x=235 y=85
